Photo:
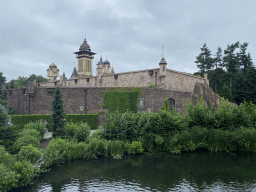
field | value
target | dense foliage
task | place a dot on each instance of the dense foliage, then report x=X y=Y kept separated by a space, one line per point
x=21 y=120
x=24 y=81
x=232 y=74
x=122 y=100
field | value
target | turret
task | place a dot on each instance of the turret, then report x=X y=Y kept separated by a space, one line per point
x=106 y=67
x=84 y=57
x=162 y=65
x=100 y=67
x=53 y=72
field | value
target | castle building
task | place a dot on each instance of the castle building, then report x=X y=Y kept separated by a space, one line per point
x=84 y=89
x=161 y=77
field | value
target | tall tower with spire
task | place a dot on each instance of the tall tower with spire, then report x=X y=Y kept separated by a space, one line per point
x=85 y=58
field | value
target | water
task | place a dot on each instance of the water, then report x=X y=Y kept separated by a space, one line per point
x=195 y=171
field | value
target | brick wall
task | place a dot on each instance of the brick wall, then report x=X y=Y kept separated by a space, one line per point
x=90 y=98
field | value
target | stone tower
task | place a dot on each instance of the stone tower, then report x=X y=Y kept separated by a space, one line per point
x=53 y=72
x=100 y=67
x=106 y=67
x=84 y=57
x=162 y=65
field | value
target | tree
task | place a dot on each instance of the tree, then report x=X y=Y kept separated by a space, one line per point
x=225 y=92
x=166 y=106
x=204 y=60
x=21 y=82
x=245 y=60
x=217 y=60
x=58 y=114
x=231 y=61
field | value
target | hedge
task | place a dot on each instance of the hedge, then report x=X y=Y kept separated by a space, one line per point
x=21 y=120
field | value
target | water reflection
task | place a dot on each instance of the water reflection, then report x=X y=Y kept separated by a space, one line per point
x=204 y=171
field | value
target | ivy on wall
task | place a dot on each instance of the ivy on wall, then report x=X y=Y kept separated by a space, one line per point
x=122 y=99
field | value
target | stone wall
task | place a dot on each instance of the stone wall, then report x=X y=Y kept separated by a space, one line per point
x=90 y=98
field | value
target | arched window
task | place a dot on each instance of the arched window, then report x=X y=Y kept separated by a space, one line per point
x=172 y=103
x=163 y=68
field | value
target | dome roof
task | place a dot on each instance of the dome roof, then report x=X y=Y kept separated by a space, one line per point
x=162 y=61
x=100 y=62
x=53 y=66
x=106 y=62
x=85 y=46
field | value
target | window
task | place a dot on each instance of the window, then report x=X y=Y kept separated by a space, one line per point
x=163 y=68
x=172 y=103
x=141 y=103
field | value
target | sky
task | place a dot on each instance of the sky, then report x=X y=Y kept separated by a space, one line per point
x=129 y=33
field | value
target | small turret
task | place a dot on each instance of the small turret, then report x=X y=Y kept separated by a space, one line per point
x=53 y=72
x=162 y=65
x=100 y=67
x=106 y=67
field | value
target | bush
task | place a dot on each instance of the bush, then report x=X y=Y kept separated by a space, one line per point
x=82 y=132
x=26 y=137
x=70 y=129
x=29 y=153
x=39 y=126
x=136 y=147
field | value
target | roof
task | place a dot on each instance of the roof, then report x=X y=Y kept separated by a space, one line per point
x=100 y=62
x=106 y=62
x=85 y=46
x=74 y=73
x=53 y=66
x=162 y=61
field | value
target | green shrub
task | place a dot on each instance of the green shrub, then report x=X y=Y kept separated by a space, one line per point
x=39 y=126
x=136 y=147
x=121 y=126
x=24 y=172
x=82 y=132
x=70 y=129
x=29 y=153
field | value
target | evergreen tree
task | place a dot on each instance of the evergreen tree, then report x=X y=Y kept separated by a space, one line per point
x=240 y=88
x=225 y=92
x=245 y=60
x=230 y=59
x=250 y=83
x=204 y=60
x=58 y=114
x=217 y=60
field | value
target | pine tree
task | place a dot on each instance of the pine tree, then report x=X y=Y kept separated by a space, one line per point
x=58 y=114
x=217 y=60
x=245 y=60
x=204 y=60
x=225 y=92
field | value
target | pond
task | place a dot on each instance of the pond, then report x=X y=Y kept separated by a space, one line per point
x=195 y=171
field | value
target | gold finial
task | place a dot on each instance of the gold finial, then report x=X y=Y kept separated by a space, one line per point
x=162 y=51
x=106 y=57
x=52 y=60
x=101 y=53
x=74 y=64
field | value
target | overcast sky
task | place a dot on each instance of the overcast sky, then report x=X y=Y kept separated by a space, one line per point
x=131 y=33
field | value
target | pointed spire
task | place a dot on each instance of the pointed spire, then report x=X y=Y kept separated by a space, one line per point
x=112 y=71
x=52 y=60
x=74 y=64
x=162 y=51
x=163 y=60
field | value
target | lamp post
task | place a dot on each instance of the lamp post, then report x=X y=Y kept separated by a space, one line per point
x=81 y=109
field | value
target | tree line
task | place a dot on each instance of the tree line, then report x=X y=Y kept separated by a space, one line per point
x=24 y=81
x=231 y=72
